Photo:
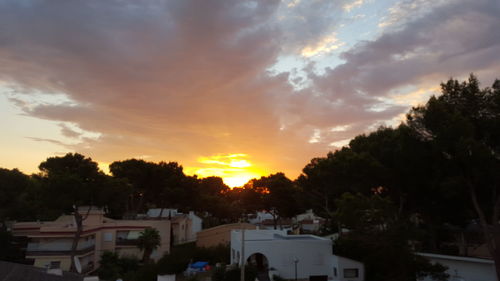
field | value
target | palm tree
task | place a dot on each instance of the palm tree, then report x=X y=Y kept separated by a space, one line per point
x=148 y=241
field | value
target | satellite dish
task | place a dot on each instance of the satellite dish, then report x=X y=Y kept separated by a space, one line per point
x=78 y=265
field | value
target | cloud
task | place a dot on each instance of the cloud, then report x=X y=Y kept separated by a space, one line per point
x=177 y=80
x=48 y=140
x=352 y=5
x=326 y=45
x=451 y=40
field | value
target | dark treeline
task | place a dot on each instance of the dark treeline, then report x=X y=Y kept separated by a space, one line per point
x=430 y=184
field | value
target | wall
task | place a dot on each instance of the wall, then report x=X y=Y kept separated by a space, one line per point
x=341 y=263
x=221 y=234
x=470 y=269
x=313 y=255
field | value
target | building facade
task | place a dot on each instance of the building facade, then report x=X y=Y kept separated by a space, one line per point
x=219 y=235
x=184 y=226
x=299 y=257
x=49 y=243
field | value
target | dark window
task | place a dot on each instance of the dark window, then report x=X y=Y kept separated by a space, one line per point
x=351 y=272
x=318 y=278
x=335 y=271
x=55 y=264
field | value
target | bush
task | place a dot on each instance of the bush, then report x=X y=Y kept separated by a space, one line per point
x=112 y=266
x=222 y=273
x=147 y=272
x=180 y=256
x=278 y=278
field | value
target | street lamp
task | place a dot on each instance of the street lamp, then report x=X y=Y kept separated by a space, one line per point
x=296 y=261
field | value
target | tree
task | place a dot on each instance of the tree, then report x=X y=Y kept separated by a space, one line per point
x=148 y=241
x=277 y=194
x=380 y=240
x=154 y=184
x=463 y=128
x=325 y=179
x=17 y=196
x=70 y=182
x=9 y=251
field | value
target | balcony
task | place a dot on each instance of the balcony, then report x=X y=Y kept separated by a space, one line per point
x=59 y=252
x=127 y=237
x=126 y=242
x=58 y=247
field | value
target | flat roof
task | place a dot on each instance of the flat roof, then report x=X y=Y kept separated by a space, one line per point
x=297 y=237
x=456 y=258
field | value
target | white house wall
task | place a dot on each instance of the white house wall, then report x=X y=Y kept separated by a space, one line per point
x=469 y=269
x=313 y=253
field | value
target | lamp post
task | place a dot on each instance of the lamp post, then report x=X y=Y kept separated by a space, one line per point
x=296 y=261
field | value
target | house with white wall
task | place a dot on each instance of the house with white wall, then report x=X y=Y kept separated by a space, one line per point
x=308 y=221
x=463 y=268
x=293 y=256
x=184 y=226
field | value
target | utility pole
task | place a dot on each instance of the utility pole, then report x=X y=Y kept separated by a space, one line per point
x=242 y=264
x=296 y=261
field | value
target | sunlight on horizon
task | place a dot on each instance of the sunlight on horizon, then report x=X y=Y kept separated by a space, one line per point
x=234 y=169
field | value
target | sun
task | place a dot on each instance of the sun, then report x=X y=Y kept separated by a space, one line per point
x=237 y=180
x=234 y=169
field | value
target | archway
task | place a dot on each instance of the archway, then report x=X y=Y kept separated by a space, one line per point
x=259 y=261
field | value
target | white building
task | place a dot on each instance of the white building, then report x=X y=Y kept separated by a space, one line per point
x=308 y=221
x=293 y=256
x=259 y=217
x=464 y=268
x=184 y=226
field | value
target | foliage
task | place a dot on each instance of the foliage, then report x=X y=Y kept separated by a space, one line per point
x=147 y=272
x=8 y=249
x=113 y=267
x=386 y=255
x=278 y=278
x=462 y=127
x=233 y=273
x=148 y=241
x=364 y=213
x=160 y=184
x=180 y=256
x=17 y=196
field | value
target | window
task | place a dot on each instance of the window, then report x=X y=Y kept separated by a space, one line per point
x=108 y=237
x=335 y=271
x=55 y=264
x=351 y=272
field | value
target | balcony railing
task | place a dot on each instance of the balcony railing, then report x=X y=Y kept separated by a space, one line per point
x=126 y=242
x=57 y=252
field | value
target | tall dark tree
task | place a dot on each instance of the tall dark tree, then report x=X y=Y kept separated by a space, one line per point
x=379 y=239
x=463 y=127
x=155 y=184
x=70 y=182
x=325 y=179
x=17 y=196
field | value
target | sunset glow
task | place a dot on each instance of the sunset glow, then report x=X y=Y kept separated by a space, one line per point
x=235 y=89
x=234 y=169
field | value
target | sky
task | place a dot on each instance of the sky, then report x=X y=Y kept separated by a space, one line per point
x=237 y=89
